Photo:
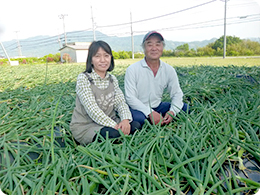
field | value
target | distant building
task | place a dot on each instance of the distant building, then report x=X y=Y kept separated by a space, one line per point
x=78 y=51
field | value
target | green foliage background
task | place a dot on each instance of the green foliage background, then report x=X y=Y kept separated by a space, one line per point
x=235 y=47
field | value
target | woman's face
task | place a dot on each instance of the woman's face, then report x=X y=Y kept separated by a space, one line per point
x=101 y=62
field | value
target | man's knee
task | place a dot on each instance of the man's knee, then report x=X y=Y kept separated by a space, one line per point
x=186 y=108
x=163 y=108
x=138 y=116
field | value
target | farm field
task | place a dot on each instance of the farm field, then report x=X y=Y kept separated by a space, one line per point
x=213 y=150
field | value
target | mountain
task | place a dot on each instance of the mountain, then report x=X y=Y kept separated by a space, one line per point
x=40 y=46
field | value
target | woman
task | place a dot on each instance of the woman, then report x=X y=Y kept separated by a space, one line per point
x=100 y=104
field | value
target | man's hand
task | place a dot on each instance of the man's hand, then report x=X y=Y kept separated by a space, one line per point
x=124 y=126
x=168 y=118
x=155 y=117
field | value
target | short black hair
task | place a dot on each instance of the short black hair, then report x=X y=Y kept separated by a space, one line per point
x=93 y=49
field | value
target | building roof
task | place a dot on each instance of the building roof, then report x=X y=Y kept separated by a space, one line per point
x=77 y=46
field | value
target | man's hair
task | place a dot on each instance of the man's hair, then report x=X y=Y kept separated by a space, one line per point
x=143 y=44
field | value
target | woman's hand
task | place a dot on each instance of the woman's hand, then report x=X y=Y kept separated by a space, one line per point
x=124 y=126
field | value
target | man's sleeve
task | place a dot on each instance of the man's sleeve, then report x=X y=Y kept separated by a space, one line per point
x=175 y=91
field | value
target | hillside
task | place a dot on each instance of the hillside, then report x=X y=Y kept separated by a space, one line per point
x=40 y=46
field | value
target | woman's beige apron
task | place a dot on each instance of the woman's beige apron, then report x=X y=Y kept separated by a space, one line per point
x=83 y=128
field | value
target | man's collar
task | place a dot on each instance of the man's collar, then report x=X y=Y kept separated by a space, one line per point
x=144 y=64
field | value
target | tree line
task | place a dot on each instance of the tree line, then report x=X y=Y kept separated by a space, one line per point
x=234 y=47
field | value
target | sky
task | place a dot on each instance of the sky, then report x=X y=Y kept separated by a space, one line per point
x=176 y=20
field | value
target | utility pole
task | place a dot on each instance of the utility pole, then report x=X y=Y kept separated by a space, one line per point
x=18 y=44
x=93 y=25
x=132 y=37
x=62 y=16
x=59 y=39
x=225 y=41
x=59 y=42
x=5 y=53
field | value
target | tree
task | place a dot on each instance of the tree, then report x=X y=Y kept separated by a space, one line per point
x=123 y=55
x=179 y=53
x=191 y=53
x=49 y=59
x=115 y=55
x=66 y=57
x=219 y=43
x=139 y=55
x=184 y=47
x=167 y=53
x=253 y=46
x=56 y=57
x=205 y=51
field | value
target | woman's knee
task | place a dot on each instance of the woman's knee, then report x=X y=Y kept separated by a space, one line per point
x=112 y=133
x=135 y=126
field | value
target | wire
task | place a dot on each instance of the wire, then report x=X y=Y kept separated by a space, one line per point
x=157 y=16
x=84 y=34
x=70 y=36
x=244 y=21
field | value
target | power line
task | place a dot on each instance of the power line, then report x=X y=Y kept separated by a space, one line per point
x=10 y=45
x=81 y=34
x=206 y=25
x=242 y=4
x=43 y=39
x=158 y=16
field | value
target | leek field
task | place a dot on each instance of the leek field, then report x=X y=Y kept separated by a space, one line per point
x=213 y=150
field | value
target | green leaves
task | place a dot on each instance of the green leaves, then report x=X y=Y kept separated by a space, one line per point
x=199 y=153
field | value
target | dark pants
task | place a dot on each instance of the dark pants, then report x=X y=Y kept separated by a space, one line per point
x=163 y=108
x=113 y=133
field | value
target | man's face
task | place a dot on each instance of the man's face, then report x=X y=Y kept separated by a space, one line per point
x=153 y=48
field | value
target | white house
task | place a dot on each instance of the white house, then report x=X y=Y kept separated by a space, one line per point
x=78 y=51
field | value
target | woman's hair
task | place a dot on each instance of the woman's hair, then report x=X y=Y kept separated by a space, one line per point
x=93 y=48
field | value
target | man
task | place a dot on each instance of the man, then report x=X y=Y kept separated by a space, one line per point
x=145 y=82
